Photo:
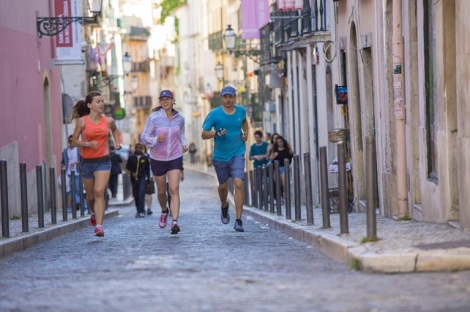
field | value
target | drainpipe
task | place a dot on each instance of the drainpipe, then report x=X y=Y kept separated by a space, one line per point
x=399 y=108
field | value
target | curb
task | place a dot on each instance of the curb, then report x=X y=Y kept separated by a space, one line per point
x=28 y=240
x=358 y=257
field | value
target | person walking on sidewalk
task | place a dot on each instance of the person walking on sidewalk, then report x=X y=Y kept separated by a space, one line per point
x=280 y=152
x=116 y=170
x=259 y=150
x=69 y=162
x=138 y=166
x=149 y=187
x=164 y=133
x=228 y=126
x=91 y=135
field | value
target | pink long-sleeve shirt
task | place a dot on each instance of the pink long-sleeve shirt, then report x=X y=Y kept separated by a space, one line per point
x=172 y=147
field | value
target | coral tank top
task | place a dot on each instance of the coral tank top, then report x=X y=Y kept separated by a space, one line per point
x=95 y=132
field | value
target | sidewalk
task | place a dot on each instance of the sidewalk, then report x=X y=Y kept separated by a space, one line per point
x=403 y=246
x=20 y=240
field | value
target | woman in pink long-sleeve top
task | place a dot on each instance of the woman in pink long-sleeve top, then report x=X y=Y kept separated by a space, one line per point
x=165 y=135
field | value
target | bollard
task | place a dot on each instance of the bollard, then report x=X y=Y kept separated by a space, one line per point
x=24 y=198
x=343 y=190
x=265 y=188
x=73 y=189
x=252 y=189
x=126 y=186
x=82 y=199
x=277 y=183
x=371 y=182
x=308 y=188
x=4 y=195
x=245 y=189
x=53 y=195
x=44 y=188
x=297 y=211
x=40 y=189
x=259 y=187
x=64 y=194
x=271 y=187
x=325 y=194
x=287 y=188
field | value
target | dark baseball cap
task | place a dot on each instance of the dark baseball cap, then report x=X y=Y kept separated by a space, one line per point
x=166 y=93
x=228 y=90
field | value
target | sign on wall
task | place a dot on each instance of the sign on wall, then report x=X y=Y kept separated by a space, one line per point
x=68 y=42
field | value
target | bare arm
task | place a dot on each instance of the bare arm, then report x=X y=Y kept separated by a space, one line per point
x=206 y=135
x=115 y=132
x=79 y=126
x=245 y=130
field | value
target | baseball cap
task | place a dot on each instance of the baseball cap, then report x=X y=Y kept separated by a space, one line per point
x=228 y=90
x=166 y=93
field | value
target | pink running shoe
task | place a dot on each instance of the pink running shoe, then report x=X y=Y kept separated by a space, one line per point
x=99 y=232
x=92 y=219
x=163 y=219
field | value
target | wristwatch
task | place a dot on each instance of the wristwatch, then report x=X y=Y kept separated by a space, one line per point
x=86 y=144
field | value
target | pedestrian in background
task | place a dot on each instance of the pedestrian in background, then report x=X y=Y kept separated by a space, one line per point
x=91 y=134
x=259 y=150
x=116 y=170
x=138 y=167
x=192 y=153
x=228 y=126
x=69 y=162
x=272 y=141
x=280 y=152
x=149 y=188
x=164 y=133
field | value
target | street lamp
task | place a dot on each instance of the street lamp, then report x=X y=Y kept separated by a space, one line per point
x=52 y=26
x=126 y=67
x=134 y=85
x=230 y=41
x=127 y=63
x=230 y=38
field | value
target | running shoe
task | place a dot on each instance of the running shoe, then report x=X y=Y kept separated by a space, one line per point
x=238 y=226
x=163 y=219
x=141 y=214
x=99 y=232
x=224 y=215
x=149 y=211
x=92 y=219
x=174 y=227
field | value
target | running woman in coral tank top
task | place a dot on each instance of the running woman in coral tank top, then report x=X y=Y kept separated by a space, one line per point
x=91 y=135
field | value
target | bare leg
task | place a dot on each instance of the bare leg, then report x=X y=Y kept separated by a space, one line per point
x=238 y=196
x=101 y=181
x=90 y=196
x=174 y=177
x=223 y=193
x=161 y=191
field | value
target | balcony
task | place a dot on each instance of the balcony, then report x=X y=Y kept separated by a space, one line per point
x=292 y=24
x=142 y=102
x=141 y=67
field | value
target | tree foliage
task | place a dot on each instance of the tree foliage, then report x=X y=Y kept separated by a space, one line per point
x=168 y=6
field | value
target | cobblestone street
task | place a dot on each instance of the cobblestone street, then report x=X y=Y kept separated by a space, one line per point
x=206 y=267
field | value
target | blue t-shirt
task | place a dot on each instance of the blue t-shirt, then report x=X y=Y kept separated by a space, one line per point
x=259 y=150
x=231 y=144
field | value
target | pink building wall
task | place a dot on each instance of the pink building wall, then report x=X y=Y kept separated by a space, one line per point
x=25 y=66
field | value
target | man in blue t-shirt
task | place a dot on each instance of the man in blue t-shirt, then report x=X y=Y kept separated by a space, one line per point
x=259 y=150
x=228 y=126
